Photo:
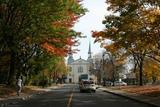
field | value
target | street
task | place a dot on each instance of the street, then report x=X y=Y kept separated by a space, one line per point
x=69 y=96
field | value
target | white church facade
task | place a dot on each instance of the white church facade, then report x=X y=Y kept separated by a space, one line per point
x=80 y=68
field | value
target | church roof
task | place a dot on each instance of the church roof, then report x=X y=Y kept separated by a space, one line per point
x=80 y=61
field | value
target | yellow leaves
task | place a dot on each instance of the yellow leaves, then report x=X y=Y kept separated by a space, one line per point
x=155 y=66
x=151 y=14
x=151 y=68
x=112 y=48
x=152 y=19
x=120 y=61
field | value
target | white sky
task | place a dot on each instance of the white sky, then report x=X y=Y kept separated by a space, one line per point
x=91 y=21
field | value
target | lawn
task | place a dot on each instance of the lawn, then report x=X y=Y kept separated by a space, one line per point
x=151 y=90
x=6 y=92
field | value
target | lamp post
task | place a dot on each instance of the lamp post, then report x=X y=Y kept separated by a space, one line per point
x=104 y=74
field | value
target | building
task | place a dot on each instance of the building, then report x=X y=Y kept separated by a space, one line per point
x=80 y=68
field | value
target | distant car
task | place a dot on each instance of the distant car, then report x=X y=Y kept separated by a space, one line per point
x=108 y=83
x=120 y=83
x=87 y=85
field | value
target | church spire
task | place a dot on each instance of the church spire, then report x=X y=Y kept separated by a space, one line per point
x=89 y=51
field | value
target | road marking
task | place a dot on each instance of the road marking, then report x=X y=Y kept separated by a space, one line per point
x=70 y=100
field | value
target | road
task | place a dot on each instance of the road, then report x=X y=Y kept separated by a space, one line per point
x=69 y=96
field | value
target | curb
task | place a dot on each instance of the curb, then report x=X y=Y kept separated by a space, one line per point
x=132 y=98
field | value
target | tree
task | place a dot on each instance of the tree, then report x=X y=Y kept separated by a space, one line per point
x=134 y=28
x=151 y=70
x=28 y=27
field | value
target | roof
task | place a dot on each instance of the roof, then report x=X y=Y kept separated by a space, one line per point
x=80 y=61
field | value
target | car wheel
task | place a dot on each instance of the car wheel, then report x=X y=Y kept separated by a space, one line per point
x=93 y=91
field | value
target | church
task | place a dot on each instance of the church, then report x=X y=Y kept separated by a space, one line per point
x=80 y=68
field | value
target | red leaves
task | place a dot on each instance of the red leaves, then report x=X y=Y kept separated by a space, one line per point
x=99 y=36
x=60 y=51
x=64 y=39
x=96 y=34
x=53 y=50
x=70 y=42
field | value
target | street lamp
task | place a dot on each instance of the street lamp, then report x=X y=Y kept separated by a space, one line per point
x=103 y=63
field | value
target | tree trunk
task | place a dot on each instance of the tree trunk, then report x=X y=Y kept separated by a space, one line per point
x=141 y=71
x=12 y=73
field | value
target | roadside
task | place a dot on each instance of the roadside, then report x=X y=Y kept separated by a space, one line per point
x=145 y=94
x=8 y=95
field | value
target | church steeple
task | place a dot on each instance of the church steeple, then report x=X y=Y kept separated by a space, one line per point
x=89 y=52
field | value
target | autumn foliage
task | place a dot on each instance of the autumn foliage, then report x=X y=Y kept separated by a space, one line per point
x=66 y=36
x=36 y=32
x=133 y=27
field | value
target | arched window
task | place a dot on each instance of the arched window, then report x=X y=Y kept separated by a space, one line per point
x=80 y=69
x=70 y=69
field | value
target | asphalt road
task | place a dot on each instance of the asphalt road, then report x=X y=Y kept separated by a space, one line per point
x=69 y=96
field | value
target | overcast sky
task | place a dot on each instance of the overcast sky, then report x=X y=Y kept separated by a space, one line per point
x=90 y=22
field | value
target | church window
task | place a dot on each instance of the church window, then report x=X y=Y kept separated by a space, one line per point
x=80 y=69
x=70 y=69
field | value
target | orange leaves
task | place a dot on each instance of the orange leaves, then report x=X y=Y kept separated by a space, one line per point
x=120 y=61
x=112 y=47
x=70 y=42
x=67 y=40
x=63 y=41
x=71 y=20
x=64 y=36
x=98 y=34
x=53 y=50
x=155 y=66
x=50 y=45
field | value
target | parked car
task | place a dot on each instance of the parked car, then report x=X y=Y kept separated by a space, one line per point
x=120 y=83
x=108 y=83
x=86 y=85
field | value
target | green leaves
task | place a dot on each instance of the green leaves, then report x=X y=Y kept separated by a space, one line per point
x=25 y=25
x=134 y=28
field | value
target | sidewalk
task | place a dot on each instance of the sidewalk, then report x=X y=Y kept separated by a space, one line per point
x=23 y=96
x=153 y=101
